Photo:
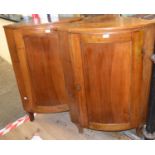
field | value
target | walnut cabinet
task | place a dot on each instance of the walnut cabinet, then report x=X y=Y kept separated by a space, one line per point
x=36 y=57
x=99 y=69
x=111 y=67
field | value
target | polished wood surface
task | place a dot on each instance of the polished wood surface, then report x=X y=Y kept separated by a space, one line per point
x=97 y=67
x=46 y=73
x=148 y=49
x=36 y=57
x=110 y=76
x=78 y=85
x=28 y=25
x=107 y=81
x=105 y=23
x=68 y=75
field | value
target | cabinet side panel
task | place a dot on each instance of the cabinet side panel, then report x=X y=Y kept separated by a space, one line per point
x=148 y=48
x=137 y=67
x=68 y=75
x=16 y=66
x=76 y=60
x=18 y=37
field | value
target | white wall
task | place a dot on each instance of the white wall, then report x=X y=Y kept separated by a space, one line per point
x=4 y=52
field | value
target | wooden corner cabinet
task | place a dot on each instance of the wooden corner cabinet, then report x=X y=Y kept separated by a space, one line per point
x=111 y=69
x=99 y=68
x=37 y=60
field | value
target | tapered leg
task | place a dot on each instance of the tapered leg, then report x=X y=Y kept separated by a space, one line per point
x=139 y=131
x=80 y=128
x=31 y=116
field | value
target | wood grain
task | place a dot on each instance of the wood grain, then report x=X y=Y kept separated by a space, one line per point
x=97 y=67
x=111 y=74
x=45 y=68
x=78 y=79
x=38 y=66
x=107 y=81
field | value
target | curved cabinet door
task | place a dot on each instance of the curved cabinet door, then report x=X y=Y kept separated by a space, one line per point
x=44 y=72
x=106 y=78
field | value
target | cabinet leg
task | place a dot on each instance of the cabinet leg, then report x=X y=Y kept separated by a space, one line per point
x=148 y=135
x=139 y=131
x=31 y=116
x=80 y=128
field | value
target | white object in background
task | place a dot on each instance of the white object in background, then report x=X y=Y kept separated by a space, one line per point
x=26 y=17
x=36 y=135
x=54 y=17
x=36 y=138
x=43 y=18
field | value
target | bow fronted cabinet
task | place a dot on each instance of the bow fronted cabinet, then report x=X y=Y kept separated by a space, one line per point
x=111 y=67
x=98 y=68
x=35 y=50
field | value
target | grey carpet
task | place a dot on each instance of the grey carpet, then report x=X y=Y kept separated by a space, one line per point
x=10 y=103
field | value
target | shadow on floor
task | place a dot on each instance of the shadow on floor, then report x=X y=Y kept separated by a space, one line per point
x=10 y=102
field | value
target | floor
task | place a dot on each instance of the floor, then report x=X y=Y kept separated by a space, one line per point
x=58 y=127
x=10 y=103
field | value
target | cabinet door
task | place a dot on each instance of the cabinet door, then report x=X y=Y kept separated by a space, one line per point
x=45 y=72
x=105 y=81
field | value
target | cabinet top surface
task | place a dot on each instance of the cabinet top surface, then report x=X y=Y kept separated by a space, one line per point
x=101 y=23
x=38 y=25
x=89 y=24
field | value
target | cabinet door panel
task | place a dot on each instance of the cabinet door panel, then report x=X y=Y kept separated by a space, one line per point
x=45 y=69
x=107 y=75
